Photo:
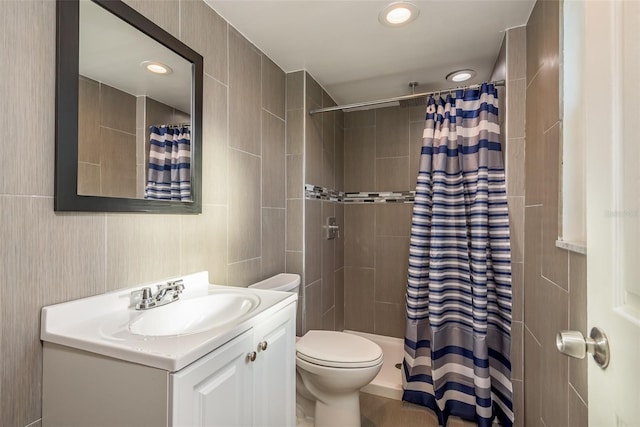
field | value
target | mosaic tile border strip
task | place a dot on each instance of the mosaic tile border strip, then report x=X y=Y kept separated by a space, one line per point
x=380 y=197
x=320 y=193
x=315 y=192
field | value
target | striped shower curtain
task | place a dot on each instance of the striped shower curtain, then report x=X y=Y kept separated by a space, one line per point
x=458 y=323
x=169 y=175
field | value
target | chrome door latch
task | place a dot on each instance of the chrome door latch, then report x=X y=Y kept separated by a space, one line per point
x=574 y=344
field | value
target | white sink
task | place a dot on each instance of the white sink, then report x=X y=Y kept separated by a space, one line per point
x=168 y=337
x=190 y=316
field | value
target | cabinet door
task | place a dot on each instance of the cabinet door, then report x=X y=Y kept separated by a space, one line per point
x=275 y=370
x=216 y=390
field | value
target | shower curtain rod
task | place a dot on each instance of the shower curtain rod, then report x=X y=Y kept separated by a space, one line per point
x=397 y=98
x=176 y=125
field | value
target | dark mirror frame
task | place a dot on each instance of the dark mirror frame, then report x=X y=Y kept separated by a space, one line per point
x=67 y=63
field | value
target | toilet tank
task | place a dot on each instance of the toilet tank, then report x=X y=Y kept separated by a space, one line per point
x=285 y=282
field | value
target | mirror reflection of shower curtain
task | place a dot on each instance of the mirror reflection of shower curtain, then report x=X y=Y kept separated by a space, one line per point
x=169 y=176
x=457 y=340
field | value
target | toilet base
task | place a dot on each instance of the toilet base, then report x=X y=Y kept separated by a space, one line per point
x=344 y=413
x=320 y=414
x=302 y=421
x=305 y=406
x=336 y=409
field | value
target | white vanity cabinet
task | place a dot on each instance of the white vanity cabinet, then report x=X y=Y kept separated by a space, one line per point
x=274 y=388
x=248 y=381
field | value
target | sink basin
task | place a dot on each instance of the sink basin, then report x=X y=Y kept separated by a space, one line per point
x=168 y=337
x=190 y=316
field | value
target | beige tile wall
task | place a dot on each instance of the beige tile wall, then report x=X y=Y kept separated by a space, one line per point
x=322 y=166
x=511 y=66
x=50 y=257
x=107 y=152
x=314 y=156
x=554 y=279
x=294 y=242
x=380 y=146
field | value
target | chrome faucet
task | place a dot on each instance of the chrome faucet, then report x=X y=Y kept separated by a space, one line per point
x=167 y=293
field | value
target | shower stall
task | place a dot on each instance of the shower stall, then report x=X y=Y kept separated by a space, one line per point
x=360 y=167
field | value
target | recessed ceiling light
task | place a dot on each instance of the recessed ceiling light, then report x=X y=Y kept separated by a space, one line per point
x=156 y=67
x=398 y=13
x=461 y=76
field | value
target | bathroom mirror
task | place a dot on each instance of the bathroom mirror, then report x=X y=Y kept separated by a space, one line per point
x=128 y=113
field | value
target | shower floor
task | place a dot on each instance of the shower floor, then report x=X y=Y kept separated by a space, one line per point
x=388 y=382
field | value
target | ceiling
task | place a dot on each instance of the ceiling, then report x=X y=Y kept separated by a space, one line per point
x=355 y=58
x=111 y=52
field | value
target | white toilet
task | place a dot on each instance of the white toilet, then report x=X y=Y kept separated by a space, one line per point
x=332 y=366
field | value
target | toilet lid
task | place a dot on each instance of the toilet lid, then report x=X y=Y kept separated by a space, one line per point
x=338 y=349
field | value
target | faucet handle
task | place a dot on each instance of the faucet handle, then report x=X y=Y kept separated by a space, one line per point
x=146 y=298
x=174 y=287
x=144 y=293
x=177 y=285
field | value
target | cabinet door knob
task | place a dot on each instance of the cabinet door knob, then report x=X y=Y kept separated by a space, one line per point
x=252 y=356
x=263 y=345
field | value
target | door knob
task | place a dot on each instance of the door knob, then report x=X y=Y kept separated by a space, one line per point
x=263 y=345
x=574 y=344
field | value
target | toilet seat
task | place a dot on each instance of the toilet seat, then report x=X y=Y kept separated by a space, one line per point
x=338 y=350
